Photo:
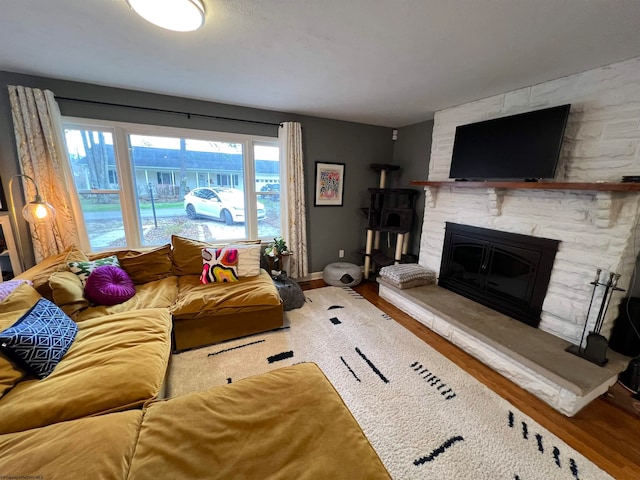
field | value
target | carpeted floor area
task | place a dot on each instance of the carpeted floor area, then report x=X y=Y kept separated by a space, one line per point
x=425 y=416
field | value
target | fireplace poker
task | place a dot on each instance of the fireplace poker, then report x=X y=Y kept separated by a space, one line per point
x=614 y=287
x=608 y=291
x=595 y=284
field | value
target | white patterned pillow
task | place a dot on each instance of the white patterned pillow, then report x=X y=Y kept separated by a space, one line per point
x=248 y=259
x=84 y=269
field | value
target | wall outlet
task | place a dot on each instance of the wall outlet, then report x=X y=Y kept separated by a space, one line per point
x=341 y=253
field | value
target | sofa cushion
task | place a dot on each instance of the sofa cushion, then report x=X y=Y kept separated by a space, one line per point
x=84 y=268
x=288 y=423
x=91 y=447
x=40 y=273
x=68 y=293
x=186 y=255
x=219 y=265
x=143 y=266
x=11 y=309
x=158 y=294
x=109 y=285
x=117 y=362
x=247 y=294
x=40 y=338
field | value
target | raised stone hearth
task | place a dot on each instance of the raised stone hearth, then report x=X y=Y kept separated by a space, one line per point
x=530 y=357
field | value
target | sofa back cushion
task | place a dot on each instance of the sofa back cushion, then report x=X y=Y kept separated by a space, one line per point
x=143 y=266
x=40 y=274
x=186 y=255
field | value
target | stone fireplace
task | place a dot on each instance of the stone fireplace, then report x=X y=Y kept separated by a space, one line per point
x=594 y=228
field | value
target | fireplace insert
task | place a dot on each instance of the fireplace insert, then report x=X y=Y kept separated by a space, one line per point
x=505 y=271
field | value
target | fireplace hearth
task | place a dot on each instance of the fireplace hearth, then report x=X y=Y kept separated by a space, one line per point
x=504 y=271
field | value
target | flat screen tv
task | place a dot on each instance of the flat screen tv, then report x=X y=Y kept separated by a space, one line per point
x=517 y=147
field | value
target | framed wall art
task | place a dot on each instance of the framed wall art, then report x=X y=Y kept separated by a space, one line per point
x=329 y=184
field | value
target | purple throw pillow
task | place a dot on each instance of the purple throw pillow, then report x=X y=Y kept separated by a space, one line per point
x=109 y=285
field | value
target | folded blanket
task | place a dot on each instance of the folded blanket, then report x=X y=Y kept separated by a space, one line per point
x=407 y=275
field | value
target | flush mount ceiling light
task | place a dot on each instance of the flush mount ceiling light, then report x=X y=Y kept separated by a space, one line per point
x=177 y=15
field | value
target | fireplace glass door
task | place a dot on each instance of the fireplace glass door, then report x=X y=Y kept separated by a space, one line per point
x=507 y=272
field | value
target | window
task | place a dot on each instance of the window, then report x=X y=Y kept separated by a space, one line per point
x=137 y=185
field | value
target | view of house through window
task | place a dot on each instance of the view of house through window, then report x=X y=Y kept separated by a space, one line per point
x=137 y=186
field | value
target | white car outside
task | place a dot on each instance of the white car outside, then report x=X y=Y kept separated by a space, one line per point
x=224 y=204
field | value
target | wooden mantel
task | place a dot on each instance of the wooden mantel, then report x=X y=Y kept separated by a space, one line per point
x=603 y=191
x=593 y=186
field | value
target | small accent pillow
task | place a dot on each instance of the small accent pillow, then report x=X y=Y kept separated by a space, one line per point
x=84 y=269
x=248 y=259
x=40 y=338
x=219 y=265
x=109 y=285
x=9 y=286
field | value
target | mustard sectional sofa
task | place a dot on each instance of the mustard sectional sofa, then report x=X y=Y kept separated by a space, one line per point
x=101 y=413
x=169 y=277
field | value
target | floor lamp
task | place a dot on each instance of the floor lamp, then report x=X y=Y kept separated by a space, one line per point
x=36 y=212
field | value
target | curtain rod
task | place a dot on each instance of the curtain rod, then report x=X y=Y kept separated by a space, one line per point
x=162 y=110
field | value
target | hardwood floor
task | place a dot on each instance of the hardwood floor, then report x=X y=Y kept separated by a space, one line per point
x=604 y=433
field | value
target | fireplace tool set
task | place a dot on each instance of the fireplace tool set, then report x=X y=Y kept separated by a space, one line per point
x=596 y=348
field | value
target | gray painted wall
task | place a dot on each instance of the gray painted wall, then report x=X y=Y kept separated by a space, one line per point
x=356 y=145
x=412 y=152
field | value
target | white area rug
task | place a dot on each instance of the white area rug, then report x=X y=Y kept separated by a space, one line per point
x=425 y=416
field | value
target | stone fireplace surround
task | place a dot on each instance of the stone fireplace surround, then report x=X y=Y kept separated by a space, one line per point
x=596 y=228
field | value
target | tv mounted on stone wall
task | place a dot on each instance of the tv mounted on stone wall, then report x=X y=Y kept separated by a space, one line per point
x=517 y=147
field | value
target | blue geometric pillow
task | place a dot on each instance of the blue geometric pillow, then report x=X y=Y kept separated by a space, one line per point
x=40 y=338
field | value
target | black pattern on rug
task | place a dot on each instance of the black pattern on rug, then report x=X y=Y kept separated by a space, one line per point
x=438 y=451
x=352 y=293
x=434 y=381
x=539 y=444
x=371 y=364
x=335 y=320
x=349 y=368
x=333 y=307
x=234 y=348
x=280 y=356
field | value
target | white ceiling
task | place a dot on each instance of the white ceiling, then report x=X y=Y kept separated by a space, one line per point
x=382 y=62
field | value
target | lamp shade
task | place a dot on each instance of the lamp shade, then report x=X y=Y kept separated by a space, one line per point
x=177 y=15
x=38 y=211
